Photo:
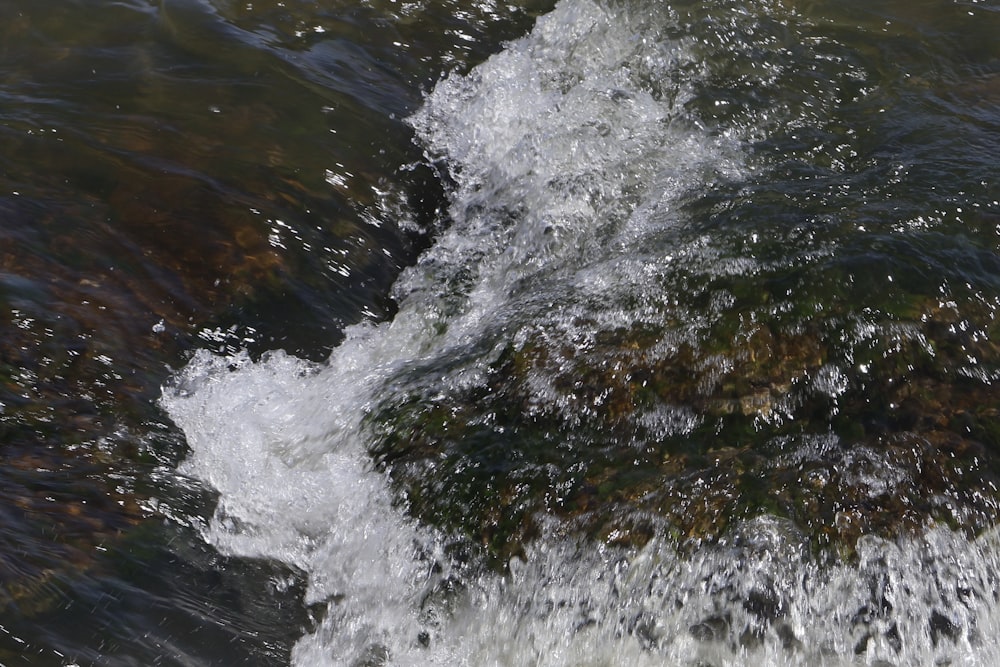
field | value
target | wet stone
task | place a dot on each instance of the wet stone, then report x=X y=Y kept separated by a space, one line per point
x=943 y=628
x=767 y=422
x=714 y=628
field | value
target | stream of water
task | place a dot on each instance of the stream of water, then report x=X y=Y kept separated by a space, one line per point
x=593 y=333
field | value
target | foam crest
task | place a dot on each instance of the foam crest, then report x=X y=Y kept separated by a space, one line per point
x=278 y=439
x=557 y=141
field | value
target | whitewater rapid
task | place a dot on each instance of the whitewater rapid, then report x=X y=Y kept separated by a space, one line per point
x=572 y=155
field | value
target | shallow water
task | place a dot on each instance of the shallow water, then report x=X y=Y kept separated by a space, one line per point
x=693 y=362
x=184 y=175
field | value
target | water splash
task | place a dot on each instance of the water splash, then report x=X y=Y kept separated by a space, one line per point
x=575 y=156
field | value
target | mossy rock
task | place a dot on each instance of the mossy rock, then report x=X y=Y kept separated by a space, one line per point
x=632 y=436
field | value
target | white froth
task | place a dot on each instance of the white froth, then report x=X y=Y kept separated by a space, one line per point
x=568 y=164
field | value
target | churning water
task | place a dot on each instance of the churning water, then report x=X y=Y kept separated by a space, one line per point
x=697 y=369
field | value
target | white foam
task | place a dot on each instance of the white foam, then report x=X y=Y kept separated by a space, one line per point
x=569 y=169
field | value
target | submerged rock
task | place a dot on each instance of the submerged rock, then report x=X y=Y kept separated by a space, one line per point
x=628 y=435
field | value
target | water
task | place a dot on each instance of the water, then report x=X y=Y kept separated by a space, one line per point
x=180 y=175
x=693 y=363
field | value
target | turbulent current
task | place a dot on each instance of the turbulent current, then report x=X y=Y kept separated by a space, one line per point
x=697 y=368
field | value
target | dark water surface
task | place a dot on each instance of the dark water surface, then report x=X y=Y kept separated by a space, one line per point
x=696 y=350
x=179 y=175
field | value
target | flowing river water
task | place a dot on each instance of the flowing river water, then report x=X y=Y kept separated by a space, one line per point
x=583 y=332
